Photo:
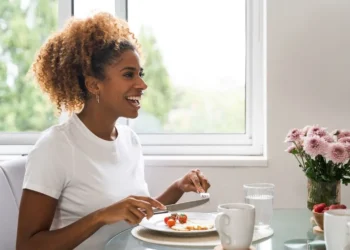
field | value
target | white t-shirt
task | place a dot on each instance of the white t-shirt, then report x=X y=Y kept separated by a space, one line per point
x=86 y=173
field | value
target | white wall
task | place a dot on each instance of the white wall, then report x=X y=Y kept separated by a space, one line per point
x=308 y=82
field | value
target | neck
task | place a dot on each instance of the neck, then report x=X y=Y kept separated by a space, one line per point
x=99 y=122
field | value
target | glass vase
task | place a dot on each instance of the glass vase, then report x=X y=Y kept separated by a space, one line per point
x=322 y=192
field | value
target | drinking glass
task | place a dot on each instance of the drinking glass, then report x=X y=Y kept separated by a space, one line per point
x=260 y=195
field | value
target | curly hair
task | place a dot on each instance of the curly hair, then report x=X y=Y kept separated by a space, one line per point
x=83 y=48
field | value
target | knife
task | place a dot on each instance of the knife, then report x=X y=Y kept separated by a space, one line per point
x=181 y=206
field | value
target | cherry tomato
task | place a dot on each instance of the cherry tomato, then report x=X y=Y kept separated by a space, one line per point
x=182 y=218
x=166 y=219
x=171 y=222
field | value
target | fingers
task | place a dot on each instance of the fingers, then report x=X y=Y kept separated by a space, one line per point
x=138 y=213
x=190 y=188
x=151 y=201
x=131 y=218
x=203 y=181
x=196 y=182
x=146 y=206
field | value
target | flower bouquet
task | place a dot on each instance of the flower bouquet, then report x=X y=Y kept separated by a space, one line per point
x=325 y=159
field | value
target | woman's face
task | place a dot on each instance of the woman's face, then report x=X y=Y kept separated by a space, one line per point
x=121 y=91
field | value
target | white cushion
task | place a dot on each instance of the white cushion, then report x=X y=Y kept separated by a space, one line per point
x=11 y=178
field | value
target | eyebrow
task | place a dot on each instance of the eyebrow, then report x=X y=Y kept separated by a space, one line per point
x=131 y=68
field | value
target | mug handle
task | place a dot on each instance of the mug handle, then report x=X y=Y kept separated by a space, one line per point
x=222 y=220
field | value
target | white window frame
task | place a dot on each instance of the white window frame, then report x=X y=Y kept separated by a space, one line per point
x=197 y=146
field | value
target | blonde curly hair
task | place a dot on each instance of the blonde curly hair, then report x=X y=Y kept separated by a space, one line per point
x=83 y=48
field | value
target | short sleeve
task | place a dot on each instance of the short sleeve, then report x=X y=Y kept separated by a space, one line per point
x=48 y=167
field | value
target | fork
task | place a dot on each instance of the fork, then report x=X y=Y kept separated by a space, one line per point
x=204 y=195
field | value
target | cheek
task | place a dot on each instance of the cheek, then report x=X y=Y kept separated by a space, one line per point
x=113 y=90
x=114 y=95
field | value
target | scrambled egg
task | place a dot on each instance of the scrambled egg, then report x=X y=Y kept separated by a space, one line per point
x=193 y=225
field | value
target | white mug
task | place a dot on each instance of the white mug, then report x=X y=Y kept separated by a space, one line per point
x=337 y=229
x=235 y=225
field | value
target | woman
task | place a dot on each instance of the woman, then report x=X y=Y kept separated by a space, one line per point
x=84 y=179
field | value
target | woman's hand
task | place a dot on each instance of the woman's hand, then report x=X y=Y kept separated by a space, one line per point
x=194 y=181
x=131 y=209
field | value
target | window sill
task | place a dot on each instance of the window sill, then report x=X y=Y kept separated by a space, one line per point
x=192 y=161
x=206 y=161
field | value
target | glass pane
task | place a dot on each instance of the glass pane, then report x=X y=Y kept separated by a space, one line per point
x=194 y=54
x=84 y=8
x=24 y=26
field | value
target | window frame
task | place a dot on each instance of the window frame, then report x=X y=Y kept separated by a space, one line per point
x=197 y=145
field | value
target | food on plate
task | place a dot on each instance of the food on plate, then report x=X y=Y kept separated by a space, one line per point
x=182 y=218
x=180 y=222
x=322 y=207
x=174 y=216
x=192 y=226
x=171 y=222
x=166 y=219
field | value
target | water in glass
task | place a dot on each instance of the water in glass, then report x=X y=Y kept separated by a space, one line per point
x=261 y=196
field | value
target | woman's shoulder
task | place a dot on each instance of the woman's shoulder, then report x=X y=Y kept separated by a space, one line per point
x=53 y=139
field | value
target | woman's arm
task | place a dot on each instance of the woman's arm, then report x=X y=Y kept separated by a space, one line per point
x=37 y=211
x=35 y=217
x=194 y=181
x=171 y=195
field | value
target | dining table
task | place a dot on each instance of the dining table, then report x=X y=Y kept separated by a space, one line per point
x=293 y=229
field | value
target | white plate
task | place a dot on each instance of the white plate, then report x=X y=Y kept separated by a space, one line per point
x=156 y=223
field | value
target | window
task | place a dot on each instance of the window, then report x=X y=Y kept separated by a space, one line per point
x=24 y=26
x=205 y=93
x=83 y=8
x=194 y=64
x=203 y=61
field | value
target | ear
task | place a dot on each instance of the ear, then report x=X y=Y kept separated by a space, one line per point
x=92 y=85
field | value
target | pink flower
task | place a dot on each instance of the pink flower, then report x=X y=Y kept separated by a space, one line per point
x=290 y=149
x=343 y=133
x=346 y=142
x=316 y=130
x=293 y=135
x=315 y=145
x=347 y=148
x=337 y=153
x=328 y=138
x=305 y=129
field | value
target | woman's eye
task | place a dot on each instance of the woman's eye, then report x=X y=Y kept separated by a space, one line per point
x=129 y=74
x=132 y=74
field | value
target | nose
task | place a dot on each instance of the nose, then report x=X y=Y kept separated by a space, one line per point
x=141 y=84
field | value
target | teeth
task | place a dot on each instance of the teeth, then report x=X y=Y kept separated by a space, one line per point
x=134 y=98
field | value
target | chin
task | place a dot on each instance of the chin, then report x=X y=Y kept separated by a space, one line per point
x=131 y=115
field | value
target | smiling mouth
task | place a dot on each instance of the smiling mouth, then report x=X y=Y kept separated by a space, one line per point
x=134 y=100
